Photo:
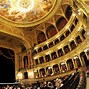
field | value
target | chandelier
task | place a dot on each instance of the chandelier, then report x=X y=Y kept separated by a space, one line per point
x=22 y=5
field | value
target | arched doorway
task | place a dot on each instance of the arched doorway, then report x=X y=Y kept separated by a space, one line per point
x=7 y=66
x=49 y=70
x=61 y=22
x=63 y=67
x=42 y=72
x=25 y=75
x=56 y=69
x=77 y=61
x=84 y=57
x=51 y=31
x=70 y=64
x=68 y=12
x=41 y=37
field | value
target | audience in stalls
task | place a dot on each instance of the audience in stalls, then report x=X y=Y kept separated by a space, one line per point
x=52 y=84
x=58 y=83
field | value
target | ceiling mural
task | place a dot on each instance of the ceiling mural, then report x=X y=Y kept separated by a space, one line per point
x=24 y=10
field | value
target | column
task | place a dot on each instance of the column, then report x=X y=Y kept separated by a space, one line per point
x=52 y=70
x=81 y=61
x=35 y=62
x=44 y=59
x=45 y=71
x=36 y=74
x=39 y=73
x=63 y=51
x=59 y=68
x=16 y=64
x=38 y=61
x=29 y=60
x=75 y=42
x=21 y=62
x=50 y=56
x=69 y=46
x=57 y=53
x=73 y=63
x=87 y=54
x=81 y=37
x=66 y=66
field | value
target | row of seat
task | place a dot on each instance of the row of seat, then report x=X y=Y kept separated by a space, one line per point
x=71 y=82
x=82 y=83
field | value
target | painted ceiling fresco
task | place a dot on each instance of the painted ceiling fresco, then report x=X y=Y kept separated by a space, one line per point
x=24 y=10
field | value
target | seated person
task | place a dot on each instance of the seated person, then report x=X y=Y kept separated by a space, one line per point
x=58 y=83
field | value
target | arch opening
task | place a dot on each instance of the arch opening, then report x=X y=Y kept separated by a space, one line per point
x=7 y=66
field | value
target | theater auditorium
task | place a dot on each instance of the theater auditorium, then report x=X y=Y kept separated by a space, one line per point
x=44 y=44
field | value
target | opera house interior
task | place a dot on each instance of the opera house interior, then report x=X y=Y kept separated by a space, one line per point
x=44 y=44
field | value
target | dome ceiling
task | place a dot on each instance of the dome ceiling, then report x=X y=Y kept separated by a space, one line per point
x=22 y=13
